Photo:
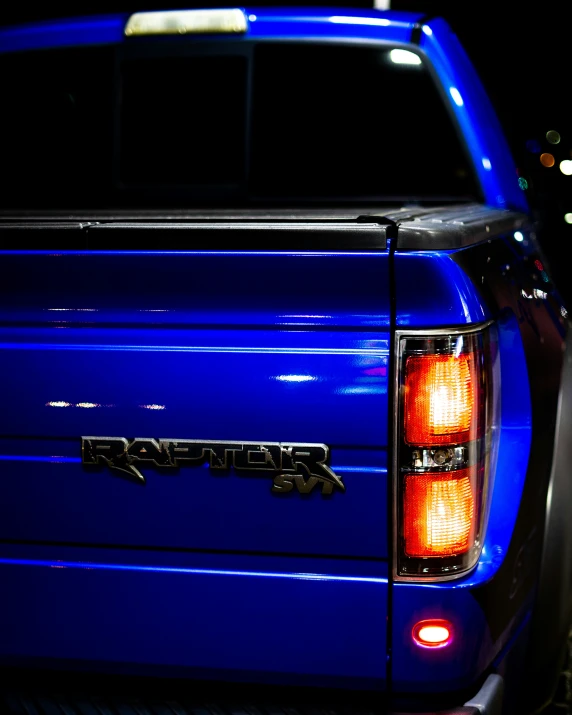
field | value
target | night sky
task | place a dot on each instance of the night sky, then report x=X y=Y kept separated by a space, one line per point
x=522 y=53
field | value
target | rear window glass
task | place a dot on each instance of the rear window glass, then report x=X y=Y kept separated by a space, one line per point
x=350 y=121
x=183 y=120
x=255 y=123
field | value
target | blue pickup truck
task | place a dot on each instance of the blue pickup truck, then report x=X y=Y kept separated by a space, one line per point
x=285 y=396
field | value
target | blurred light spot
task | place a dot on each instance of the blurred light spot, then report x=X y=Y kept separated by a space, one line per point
x=563 y=312
x=486 y=163
x=342 y=20
x=568 y=217
x=427 y=30
x=539 y=294
x=87 y=405
x=152 y=407
x=539 y=265
x=566 y=167
x=518 y=236
x=553 y=137
x=295 y=378
x=59 y=404
x=547 y=160
x=252 y=18
x=404 y=57
x=545 y=277
x=533 y=146
x=523 y=183
x=454 y=92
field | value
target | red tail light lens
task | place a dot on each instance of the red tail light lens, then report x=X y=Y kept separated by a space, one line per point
x=444 y=424
x=433 y=633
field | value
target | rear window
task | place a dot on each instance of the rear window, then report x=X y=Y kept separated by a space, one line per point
x=230 y=123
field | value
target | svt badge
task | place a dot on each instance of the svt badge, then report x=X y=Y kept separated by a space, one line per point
x=295 y=466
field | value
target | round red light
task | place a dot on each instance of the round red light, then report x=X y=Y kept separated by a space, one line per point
x=433 y=633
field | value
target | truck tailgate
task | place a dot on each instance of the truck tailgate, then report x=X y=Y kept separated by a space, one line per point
x=253 y=347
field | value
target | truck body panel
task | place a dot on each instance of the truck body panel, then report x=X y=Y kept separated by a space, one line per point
x=204 y=447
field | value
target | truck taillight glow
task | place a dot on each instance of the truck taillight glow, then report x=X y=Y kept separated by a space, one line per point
x=447 y=386
x=439 y=513
x=433 y=633
x=440 y=398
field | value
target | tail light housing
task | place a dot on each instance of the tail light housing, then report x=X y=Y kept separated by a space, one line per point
x=445 y=432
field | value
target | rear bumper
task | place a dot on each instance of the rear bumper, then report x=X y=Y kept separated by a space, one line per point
x=489 y=699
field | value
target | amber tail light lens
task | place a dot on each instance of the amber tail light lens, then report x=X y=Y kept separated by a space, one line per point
x=441 y=399
x=439 y=513
x=447 y=406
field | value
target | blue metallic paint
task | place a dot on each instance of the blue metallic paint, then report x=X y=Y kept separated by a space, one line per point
x=118 y=330
x=117 y=333
x=454 y=300
x=103 y=29
x=116 y=617
x=141 y=359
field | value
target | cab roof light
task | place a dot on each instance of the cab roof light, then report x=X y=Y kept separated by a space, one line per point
x=439 y=514
x=182 y=22
x=440 y=399
x=433 y=633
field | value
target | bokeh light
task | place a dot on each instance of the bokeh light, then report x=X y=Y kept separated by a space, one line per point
x=566 y=167
x=547 y=160
x=553 y=137
x=568 y=217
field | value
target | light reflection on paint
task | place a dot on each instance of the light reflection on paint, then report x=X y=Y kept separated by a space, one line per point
x=152 y=407
x=239 y=349
x=363 y=390
x=295 y=378
x=88 y=405
x=205 y=572
x=55 y=459
x=404 y=57
x=376 y=21
x=59 y=403
x=454 y=92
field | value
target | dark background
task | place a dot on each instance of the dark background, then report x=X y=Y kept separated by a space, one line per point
x=523 y=53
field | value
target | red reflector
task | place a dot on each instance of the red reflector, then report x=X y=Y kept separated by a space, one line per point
x=439 y=513
x=440 y=399
x=433 y=633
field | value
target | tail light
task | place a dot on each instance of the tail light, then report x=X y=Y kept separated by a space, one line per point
x=445 y=446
